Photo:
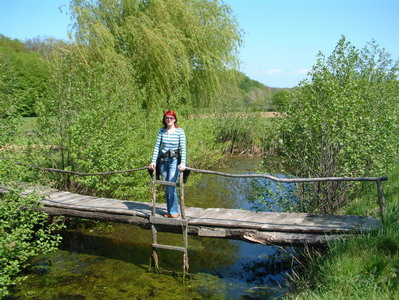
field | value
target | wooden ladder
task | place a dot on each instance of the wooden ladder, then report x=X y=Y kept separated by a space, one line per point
x=156 y=221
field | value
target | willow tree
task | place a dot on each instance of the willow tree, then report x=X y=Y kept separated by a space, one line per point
x=181 y=51
x=130 y=59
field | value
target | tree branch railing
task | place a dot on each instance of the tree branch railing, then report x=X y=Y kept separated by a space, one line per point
x=377 y=180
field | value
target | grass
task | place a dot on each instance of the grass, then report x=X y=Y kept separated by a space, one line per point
x=28 y=123
x=364 y=267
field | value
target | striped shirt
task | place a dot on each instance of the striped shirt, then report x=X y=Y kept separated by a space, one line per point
x=173 y=141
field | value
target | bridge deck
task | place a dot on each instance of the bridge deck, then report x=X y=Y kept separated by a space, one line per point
x=257 y=227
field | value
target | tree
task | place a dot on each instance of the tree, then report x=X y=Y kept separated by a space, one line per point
x=130 y=60
x=24 y=231
x=280 y=99
x=343 y=121
x=24 y=75
x=180 y=51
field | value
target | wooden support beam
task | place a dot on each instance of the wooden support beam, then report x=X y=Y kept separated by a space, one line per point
x=169 y=247
x=162 y=182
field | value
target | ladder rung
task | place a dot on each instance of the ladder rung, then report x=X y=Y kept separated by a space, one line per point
x=168 y=221
x=169 y=247
x=165 y=182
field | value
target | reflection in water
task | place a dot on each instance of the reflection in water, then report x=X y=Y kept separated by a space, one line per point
x=111 y=262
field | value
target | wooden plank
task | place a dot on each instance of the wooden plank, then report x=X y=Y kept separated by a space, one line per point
x=283 y=238
x=97 y=215
x=352 y=223
x=305 y=223
x=222 y=223
x=88 y=199
x=192 y=212
x=106 y=203
x=371 y=224
x=162 y=182
x=222 y=214
x=70 y=200
x=84 y=201
x=95 y=202
x=254 y=217
x=168 y=221
x=65 y=197
x=97 y=209
x=81 y=201
x=288 y=224
x=169 y=247
x=212 y=232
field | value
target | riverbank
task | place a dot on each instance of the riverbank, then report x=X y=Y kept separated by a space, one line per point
x=366 y=267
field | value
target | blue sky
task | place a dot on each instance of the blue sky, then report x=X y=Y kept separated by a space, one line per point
x=282 y=37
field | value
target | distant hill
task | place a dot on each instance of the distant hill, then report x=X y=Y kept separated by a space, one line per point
x=257 y=95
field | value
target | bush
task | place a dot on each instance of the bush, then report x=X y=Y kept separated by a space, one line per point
x=24 y=233
x=363 y=267
x=343 y=121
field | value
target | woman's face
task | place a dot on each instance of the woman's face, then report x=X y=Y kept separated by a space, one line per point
x=169 y=120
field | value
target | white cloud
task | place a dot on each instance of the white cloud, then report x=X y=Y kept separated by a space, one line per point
x=273 y=71
x=301 y=71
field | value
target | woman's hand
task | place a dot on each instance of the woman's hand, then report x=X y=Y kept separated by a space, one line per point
x=152 y=166
x=182 y=168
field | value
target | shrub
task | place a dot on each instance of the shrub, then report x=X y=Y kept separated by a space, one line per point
x=24 y=233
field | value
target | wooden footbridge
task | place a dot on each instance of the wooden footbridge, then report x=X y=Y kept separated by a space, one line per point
x=272 y=228
x=258 y=227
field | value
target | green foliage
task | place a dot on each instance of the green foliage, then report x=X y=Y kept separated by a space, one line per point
x=343 y=121
x=204 y=149
x=281 y=99
x=244 y=132
x=107 y=92
x=255 y=95
x=364 y=267
x=93 y=115
x=95 y=118
x=24 y=231
x=9 y=117
x=23 y=76
x=180 y=51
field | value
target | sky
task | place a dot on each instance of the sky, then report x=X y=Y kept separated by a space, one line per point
x=281 y=38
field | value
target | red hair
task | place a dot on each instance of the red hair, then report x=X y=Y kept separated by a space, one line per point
x=169 y=113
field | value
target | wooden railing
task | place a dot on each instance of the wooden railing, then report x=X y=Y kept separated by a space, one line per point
x=377 y=180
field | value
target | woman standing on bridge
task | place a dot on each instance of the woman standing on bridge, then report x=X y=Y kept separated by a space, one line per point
x=170 y=154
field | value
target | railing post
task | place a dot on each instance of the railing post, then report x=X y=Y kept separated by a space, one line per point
x=185 y=228
x=381 y=199
x=154 y=256
x=154 y=191
x=181 y=196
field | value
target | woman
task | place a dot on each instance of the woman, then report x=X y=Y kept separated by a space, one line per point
x=170 y=152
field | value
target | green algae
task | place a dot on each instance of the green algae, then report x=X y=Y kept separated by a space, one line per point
x=90 y=277
x=114 y=265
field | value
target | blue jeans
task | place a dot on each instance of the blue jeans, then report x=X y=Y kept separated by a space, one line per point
x=169 y=172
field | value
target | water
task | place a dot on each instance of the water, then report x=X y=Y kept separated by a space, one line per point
x=100 y=261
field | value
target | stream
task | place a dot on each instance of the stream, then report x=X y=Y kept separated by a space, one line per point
x=110 y=261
